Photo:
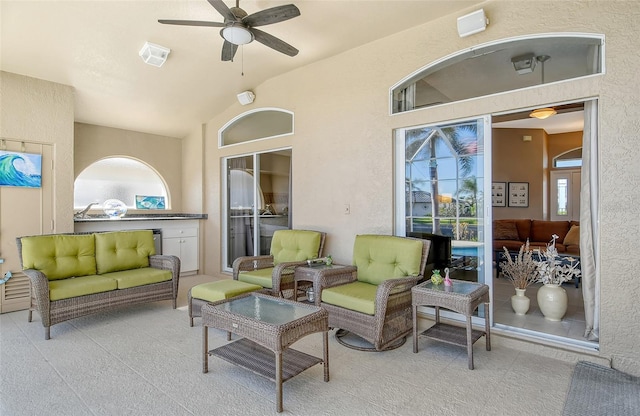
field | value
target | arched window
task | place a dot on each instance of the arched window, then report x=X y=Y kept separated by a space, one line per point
x=133 y=182
x=262 y=123
x=569 y=159
x=506 y=65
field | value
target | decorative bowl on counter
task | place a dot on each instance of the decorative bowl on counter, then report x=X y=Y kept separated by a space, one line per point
x=114 y=208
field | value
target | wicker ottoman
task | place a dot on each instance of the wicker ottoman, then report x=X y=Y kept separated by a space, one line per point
x=215 y=291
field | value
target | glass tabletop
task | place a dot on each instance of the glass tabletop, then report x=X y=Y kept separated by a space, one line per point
x=267 y=309
x=460 y=287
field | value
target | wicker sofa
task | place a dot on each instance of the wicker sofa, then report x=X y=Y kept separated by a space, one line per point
x=513 y=233
x=74 y=275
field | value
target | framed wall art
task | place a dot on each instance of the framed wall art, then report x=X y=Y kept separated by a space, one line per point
x=499 y=194
x=20 y=169
x=519 y=194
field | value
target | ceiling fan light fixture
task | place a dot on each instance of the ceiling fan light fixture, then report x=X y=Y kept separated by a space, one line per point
x=238 y=35
x=542 y=113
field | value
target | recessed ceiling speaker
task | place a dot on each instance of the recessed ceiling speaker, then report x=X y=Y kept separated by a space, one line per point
x=153 y=54
x=472 y=23
x=246 y=97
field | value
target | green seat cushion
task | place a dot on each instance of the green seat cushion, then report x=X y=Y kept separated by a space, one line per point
x=356 y=296
x=383 y=257
x=139 y=277
x=222 y=289
x=60 y=256
x=80 y=286
x=123 y=250
x=261 y=277
x=295 y=245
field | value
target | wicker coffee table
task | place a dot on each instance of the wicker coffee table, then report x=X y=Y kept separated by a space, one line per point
x=269 y=326
x=463 y=297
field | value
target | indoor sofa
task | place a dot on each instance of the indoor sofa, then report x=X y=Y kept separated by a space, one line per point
x=73 y=275
x=513 y=233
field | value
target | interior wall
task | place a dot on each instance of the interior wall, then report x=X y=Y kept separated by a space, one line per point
x=516 y=160
x=343 y=142
x=563 y=142
x=162 y=153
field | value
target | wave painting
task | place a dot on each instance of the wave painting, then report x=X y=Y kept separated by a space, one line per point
x=20 y=169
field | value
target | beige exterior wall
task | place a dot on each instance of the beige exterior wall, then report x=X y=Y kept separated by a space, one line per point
x=343 y=142
x=161 y=153
x=38 y=111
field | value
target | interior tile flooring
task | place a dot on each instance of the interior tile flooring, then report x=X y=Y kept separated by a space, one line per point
x=572 y=325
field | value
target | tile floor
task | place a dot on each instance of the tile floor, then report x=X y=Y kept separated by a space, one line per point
x=146 y=360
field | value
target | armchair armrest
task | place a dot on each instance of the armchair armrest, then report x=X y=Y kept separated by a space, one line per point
x=393 y=288
x=246 y=263
x=283 y=275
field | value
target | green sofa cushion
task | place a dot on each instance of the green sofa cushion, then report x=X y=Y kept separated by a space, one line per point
x=222 y=289
x=60 y=256
x=261 y=277
x=295 y=245
x=123 y=250
x=139 y=277
x=80 y=286
x=382 y=257
x=356 y=296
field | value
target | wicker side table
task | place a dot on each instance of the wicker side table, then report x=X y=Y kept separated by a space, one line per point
x=320 y=276
x=269 y=326
x=463 y=297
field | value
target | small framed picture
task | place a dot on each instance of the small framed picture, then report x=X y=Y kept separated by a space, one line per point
x=499 y=194
x=519 y=194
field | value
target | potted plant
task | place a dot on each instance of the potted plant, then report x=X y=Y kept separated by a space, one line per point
x=521 y=271
x=553 y=270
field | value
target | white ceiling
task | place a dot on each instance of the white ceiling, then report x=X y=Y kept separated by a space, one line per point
x=560 y=123
x=93 y=46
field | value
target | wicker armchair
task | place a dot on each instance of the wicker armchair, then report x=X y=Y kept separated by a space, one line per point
x=375 y=302
x=289 y=249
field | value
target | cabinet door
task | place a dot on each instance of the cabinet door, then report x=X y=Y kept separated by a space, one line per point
x=189 y=254
x=171 y=247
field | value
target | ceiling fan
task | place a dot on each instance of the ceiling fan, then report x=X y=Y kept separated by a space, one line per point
x=239 y=28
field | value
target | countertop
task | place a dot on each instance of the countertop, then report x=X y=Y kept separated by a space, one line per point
x=143 y=217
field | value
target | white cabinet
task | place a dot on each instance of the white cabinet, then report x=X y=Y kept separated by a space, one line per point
x=182 y=242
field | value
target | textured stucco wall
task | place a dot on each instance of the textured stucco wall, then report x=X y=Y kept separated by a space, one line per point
x=162 y=153
x=343 y=153
x=39 y=111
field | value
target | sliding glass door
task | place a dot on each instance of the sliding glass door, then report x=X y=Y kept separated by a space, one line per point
x=257 y=202
x=442 y=177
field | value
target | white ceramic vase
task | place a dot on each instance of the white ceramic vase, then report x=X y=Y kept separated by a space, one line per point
x=519 y=302
x=552 y=300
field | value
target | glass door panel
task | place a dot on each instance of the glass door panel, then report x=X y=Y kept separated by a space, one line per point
x=258 y=189
x=444 y=183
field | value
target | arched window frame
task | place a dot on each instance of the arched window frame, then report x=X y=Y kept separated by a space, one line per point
x=407 y=86
x=130 y=202
x=240 y=117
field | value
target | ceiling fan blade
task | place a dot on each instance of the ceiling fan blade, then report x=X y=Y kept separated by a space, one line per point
x=272 y=15
x=222 y=9
x=228 y=51
x=190 y=23
x=273 y=42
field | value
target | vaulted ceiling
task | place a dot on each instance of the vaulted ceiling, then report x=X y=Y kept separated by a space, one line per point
x=93 y=46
